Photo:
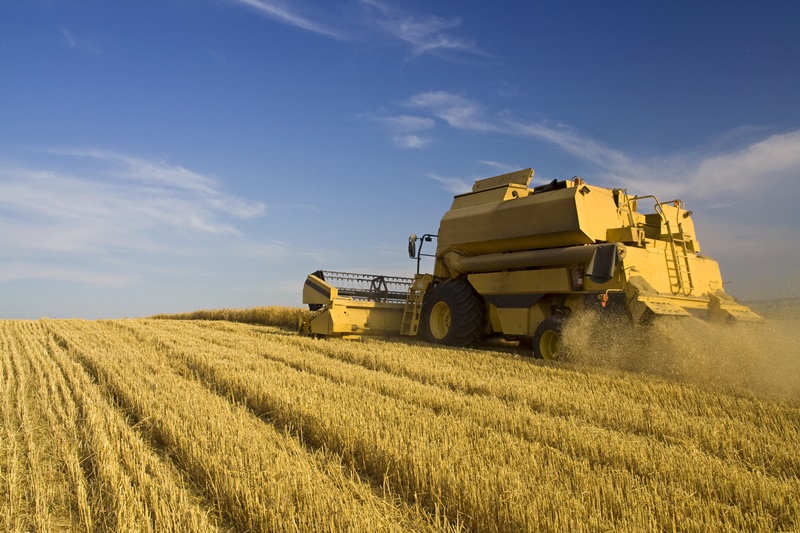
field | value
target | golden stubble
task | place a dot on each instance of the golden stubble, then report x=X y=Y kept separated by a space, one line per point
x=198 y=425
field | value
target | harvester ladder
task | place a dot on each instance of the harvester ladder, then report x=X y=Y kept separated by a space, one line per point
x=680 y=273
x=413 y=308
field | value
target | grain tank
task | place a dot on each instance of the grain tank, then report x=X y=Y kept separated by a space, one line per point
x=515 y=262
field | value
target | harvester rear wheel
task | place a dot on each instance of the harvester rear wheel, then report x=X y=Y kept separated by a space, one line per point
x=453 y=314
x=547 y=338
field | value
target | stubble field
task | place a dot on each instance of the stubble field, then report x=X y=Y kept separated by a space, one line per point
x=201 y=425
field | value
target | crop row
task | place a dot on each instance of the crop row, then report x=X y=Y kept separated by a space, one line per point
x=164 y=425
x=255 y=476
x=71 y=460
x=462 y=433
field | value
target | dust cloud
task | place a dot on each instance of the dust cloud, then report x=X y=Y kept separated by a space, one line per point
x=763 y=358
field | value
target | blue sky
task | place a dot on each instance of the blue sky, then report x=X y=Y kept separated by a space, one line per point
x=173 y=155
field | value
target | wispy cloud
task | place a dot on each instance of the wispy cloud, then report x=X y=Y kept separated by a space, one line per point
x=458 y=111
x=453 y=185
x=572 y=142
x=462 y=112
x=69 y=40
x=406 y=129
x=82 y=45
x=502 y=167
x=108 y=204
x=421 y=33
x=11 y=271
x=406 y=123
x=772 y=160
x=410 y=141
x=167 y=177
x=424 y=34
x=278 y=10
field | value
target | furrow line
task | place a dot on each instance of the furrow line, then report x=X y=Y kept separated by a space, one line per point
x=150 y=494
x=274 y=389
x=649 y=460
x=260 y=479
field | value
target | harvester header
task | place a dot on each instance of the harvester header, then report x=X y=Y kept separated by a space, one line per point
x=516 y=261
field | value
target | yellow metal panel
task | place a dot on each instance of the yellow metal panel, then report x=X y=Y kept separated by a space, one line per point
x=321 y=324
x=662 y=306
x=597 y=211
x=545 y=280
x=316 y=291
x=653 y=262
x=518 y=321
x=514 y=321
x=537 y=315
x=519 y=178
x=725 y=309
x=352 y=317
x=626 y=234
x=494 y=319
x=487 y=197
x=492 y=222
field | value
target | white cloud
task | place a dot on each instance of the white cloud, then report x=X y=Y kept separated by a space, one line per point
x=278 y=10
x=81 y=45
x=746 y=176
x=458 y=111
x=153 y=172
x=410 y=141
x=18 y=271
x=502 y=167
x=405 y=129
x=453 y=185
x=113 y=204
x=425 y=34
x=165 y=177
x=765 y=164
x=407 y=123
x=69 y=40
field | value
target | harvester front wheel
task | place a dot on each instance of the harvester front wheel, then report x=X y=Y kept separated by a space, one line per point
x=547 y=338
x=453 y=314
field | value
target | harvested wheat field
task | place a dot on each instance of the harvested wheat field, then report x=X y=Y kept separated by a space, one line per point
x=212 y=425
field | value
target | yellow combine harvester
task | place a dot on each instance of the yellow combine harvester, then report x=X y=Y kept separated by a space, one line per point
x=515 y=262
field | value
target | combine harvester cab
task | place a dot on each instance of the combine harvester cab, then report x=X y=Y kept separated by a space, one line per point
x=515 y=262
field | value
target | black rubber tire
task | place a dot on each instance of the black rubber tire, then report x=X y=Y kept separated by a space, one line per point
x=453 y=314
x=547 y=338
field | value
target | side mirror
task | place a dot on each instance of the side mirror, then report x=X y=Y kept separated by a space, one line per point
x=412 y=246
